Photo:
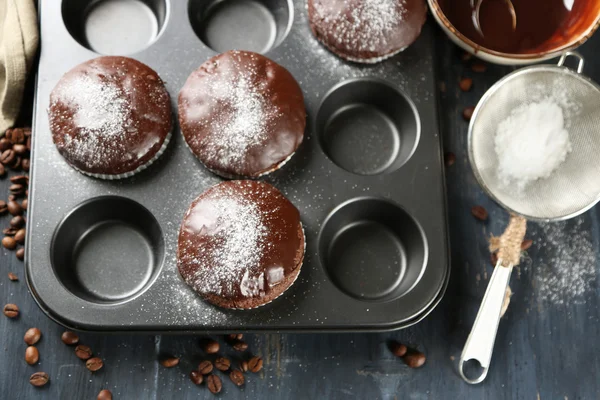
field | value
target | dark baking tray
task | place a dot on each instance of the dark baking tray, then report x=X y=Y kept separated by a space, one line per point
x=101 y=254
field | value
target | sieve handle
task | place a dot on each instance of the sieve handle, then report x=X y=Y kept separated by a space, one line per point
x=480 y=343
x=574 y=54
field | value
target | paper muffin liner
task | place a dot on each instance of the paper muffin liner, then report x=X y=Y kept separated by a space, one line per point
x=130 y=173
x=280 y=294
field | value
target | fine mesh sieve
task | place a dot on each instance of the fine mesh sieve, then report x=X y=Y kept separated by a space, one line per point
x=574 y=186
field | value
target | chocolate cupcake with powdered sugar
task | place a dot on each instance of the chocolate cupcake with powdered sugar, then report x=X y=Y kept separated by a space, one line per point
x=366 y=31
x=241 y=244
x=110 y=117
x=242 y=114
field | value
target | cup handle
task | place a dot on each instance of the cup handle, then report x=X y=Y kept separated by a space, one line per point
x=574 y=54
x=480 y=343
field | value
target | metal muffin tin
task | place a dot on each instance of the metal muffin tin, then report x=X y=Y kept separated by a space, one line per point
x=368 y=181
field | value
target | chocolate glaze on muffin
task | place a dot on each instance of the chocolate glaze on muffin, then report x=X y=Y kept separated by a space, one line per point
x=241 y=244
x=366 y=31
x=110 y=117
x=242 y=114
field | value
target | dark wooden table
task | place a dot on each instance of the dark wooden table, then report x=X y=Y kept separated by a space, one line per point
x=547 y=346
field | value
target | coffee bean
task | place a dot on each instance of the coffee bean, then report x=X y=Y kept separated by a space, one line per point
x=237 y=377
x=240 y=346
x=205 y=367
x=468 y=113
x=32 y=355
x=20 y=236
x=479 y=212
x=414 y=359
x=12 y=197
x=94 y=364
x=27 y=131
x=196 y=377
x=13 y=277
x=211 y=347
x=20 y=149
x=398 y=349
x=8 y=157
x=3 y=207
x=222 y=364
x=28 y=143
x=14 y=208
x=255 y=364
x=20 y=179
x=83 y=352
x=39 y=379
x=70 y=338
x=32 y=336
x=169 y=362
x=25 y=164
x=16 y=189
x=244 y=366
x=17 y=222
x=465 y=85
x=16 y=165
x=24 y=204
x=526 y=244
x=214 y=384
x=5 y=144
x=20 y=254
x=232 y=337
x=9 y=243
x=15 y=135
x=449 y=159
x=478 y=66
x=494 y=259
x=2 y=170
x=10 y=231
x=11 y=310
x=104 y=394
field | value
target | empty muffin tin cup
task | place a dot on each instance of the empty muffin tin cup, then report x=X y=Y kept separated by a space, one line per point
x=254 y=25
x=367 y=127
x=372 y=249
x=114 y=27
x=107 y=250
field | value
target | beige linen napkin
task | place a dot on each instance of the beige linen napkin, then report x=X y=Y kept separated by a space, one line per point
x=18 y=43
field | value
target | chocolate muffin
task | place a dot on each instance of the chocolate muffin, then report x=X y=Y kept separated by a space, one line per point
x=242 y=114
x=241 y=244
x=110 y=117
x=366 y=31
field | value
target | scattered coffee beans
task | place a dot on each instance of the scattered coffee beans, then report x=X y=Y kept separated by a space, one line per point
x=255 y=364
x=8 y=157
x=244 y=366
x=449 y=159
x=3 y=207
x=9 y=243
x=32 y=355
x=5 y=144
x=39 y=379
x=17 y=222
x=478 y=66
x=104 y=394
x=237 y=377
x=465 y=85
x=13 y=277
x=16 y=189
x=222 y=364
x=25 y=164
x=214 y=384
x=169 y=362
x=20 y=254
x=468 y=113
x=240 y=345
x=16 y=135
x=83 y=352
x=20 y=236
x=94 y=364
x=20 y=149
x=32 y=336
x=526 y=245
x=20 y=179
x=24 y=204
x=11 y=310
x=398 y=349
x=9 y=231
x=196 y=377
x=70 y=338
x=479 y=212
x=211 y=347
x=14 y=208
x=494 y=259
x=205 y=367
x=414 y=359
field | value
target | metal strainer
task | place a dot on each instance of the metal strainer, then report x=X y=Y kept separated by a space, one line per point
x=571 y=189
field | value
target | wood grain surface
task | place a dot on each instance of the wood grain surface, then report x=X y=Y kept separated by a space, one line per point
x=547 y=346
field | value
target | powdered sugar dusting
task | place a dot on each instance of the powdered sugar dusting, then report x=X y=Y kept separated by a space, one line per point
x=234 y=249
x=364 y=25
x=567 y=267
